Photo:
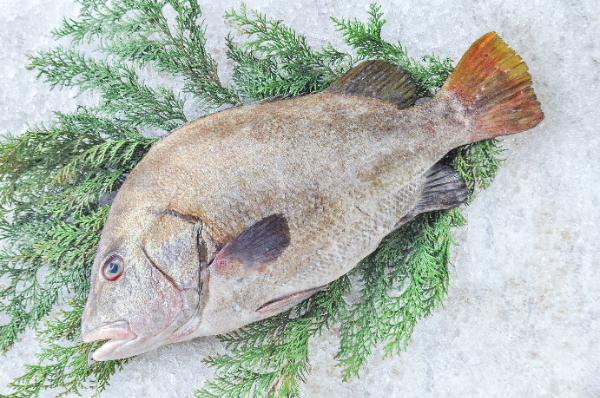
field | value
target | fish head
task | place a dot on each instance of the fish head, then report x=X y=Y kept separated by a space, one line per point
x=145 y=283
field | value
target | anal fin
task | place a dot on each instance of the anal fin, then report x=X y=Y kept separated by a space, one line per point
x=444 y=189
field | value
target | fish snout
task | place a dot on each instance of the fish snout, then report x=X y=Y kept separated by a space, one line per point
x=117 y=333
x=118 y=330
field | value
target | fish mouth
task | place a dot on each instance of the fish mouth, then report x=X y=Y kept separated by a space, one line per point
x=117 y=333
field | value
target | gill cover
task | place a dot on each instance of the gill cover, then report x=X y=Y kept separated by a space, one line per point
x=171 y=244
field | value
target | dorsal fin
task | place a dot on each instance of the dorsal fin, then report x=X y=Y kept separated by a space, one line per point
x=378 y=79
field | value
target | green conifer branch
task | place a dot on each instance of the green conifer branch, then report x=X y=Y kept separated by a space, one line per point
x=269 y=358
x=278 y=61
x=477 y=163
x=366 y=39
x=123 y=93
x=139 y=32
x=53 y=181
x=90 y=120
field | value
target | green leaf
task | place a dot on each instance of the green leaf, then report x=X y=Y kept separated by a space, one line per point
x=278 y=61
x=139 y=32
x=124 y=95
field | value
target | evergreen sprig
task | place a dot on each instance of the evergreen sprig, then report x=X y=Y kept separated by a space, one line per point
x=139 y=31
x=430 y=73
x=477 y=163
x=404 y=281
x=123 y=93
x=278 y=61
x=70 y=367
x=269 y=358
x=57 y=182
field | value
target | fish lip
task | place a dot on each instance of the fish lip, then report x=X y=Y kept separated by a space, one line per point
x=117 y=330
x=117 y=333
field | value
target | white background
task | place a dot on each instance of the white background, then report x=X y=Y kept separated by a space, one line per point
x=523 y=309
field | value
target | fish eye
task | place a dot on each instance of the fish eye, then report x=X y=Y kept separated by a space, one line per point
x=112 y=268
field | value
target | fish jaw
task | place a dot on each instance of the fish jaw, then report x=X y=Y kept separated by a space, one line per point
x=123 y=342
x=118 y=335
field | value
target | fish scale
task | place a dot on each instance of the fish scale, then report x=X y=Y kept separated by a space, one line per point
x=242 y=214
x=328 y=255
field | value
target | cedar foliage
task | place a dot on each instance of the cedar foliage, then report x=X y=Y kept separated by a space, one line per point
x=57 y=181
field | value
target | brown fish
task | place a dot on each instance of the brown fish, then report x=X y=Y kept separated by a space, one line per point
x=239 y=215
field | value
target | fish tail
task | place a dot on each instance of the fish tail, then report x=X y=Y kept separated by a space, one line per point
x=491 y=81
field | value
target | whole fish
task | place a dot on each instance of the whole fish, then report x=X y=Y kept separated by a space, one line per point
x=239 y=215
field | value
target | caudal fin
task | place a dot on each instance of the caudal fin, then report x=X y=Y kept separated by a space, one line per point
x=492 y=82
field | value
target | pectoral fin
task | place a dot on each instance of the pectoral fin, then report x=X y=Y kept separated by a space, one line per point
x=254 y=248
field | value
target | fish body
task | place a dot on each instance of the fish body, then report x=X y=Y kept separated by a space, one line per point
x=241 y=214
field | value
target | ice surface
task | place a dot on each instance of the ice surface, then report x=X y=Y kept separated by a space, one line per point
x=522 y=316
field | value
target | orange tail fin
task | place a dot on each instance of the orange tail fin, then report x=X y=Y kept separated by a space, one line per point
x=492 y=82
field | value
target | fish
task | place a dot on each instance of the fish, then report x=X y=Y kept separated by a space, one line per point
x=242 y=214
